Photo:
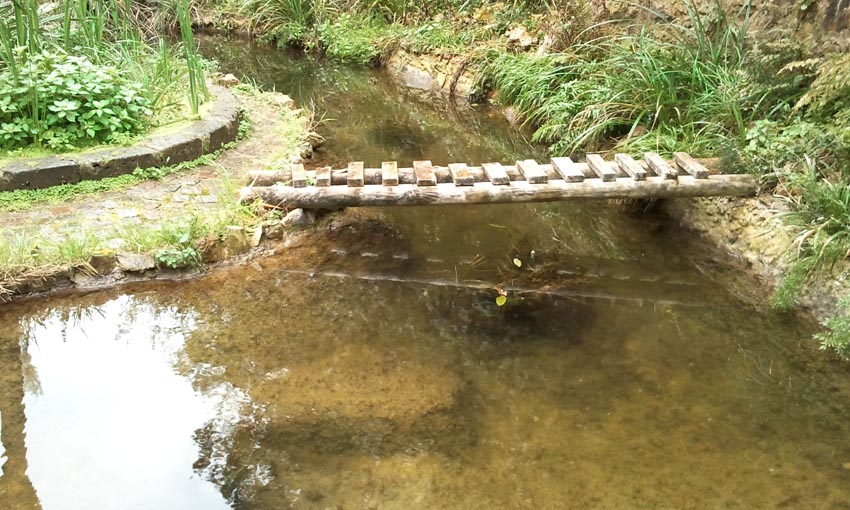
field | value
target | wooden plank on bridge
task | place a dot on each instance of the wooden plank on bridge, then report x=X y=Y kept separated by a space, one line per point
x=496 y=174
x=424 y=172
x=460 y=174
x=323 y=176
x=601 y=168
x=335 y=197
x=355 y=174
x=299 y=175
x=690 y=165
x=567 y=169
x=532 y=171
x=657 y=164
x=630 y=166
x=389 y=173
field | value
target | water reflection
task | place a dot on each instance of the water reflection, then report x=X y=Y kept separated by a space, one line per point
x=317 y=392
x=367 y=116
x=109 y=424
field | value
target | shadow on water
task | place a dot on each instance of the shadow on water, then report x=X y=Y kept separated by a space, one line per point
x=369 y=366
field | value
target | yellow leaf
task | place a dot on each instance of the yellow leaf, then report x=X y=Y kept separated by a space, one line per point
x=517 y=262
x=501 y=300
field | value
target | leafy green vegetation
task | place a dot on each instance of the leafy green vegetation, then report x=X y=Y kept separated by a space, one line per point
x=60 y=100
x=80 y=73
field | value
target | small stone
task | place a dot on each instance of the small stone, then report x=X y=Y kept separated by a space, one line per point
x=846 y=466
x=110 y=204
x=207 y=199
x=520 y=36
x=82 y=278
x=256 y=237
x=128 y=213
x=135 y=262
x=299 y=218
x=305 y=150
x=228 y=80
x=102 y=264
x=274 y=232
x=284 y=101
x=314 y=139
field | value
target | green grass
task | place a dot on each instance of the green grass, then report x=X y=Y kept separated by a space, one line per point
x=630 y=93
x=174 y=242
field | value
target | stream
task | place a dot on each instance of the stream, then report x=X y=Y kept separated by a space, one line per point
x=369 y=366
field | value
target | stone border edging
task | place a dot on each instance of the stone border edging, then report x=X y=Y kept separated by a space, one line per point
x=217 y=128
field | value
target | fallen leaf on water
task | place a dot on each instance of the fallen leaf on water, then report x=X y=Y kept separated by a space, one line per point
x=501 y=300
x=517 y=262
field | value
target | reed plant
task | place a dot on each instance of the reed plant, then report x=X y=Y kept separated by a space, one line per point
x=634 y=91
x=197 y=84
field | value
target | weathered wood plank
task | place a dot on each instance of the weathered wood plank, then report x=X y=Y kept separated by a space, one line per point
x=354 y=179
x=567 y=169
x=323 y=176
x=630 y=166
x=532 y=171
x=657 y=164
x=690 y=165
x=496 y=174
x=389 y=173
x=601 y=168
x=335 y=197
x=299 y=175
x=460 y=174
x=424 y=172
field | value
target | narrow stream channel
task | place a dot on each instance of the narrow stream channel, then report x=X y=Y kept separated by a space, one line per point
x=369 y=367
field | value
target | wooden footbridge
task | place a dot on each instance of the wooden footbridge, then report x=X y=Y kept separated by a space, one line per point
x=525 y=181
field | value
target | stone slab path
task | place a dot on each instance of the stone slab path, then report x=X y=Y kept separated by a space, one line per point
x=176 y=195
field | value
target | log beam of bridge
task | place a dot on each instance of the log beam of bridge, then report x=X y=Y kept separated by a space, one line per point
x=527 y=181
x=335 y=197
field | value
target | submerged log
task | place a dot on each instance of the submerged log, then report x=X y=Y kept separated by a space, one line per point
x=488 y=193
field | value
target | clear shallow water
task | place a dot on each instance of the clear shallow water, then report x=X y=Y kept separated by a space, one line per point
x=369 y=367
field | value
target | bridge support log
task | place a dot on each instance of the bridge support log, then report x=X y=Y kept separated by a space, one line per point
x=336 y=197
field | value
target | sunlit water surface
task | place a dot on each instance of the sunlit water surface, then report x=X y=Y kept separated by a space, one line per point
x=369 y=366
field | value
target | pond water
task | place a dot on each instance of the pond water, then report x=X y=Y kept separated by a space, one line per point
x=369 y=366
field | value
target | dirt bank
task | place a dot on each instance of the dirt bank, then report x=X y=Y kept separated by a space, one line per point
x=752 y=232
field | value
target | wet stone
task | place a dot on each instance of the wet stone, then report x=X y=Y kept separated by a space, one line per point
x=102 y=264
x=299 y=218
x=135 y=262
x=315 y=139
x=228 y=80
